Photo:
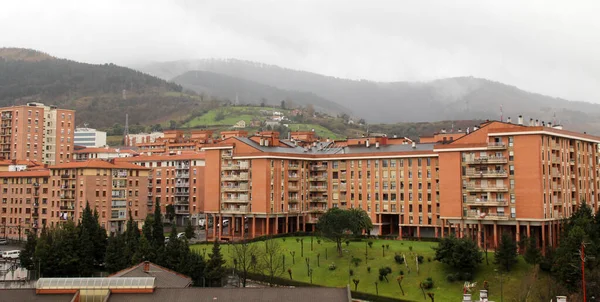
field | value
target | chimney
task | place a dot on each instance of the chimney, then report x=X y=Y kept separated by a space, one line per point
x=367 y=143
x=443 y=130
x=475 y=127
x=414 y=145
x=459 y=130
x=543 y=124
x=530 y=122
x=146 y=266
x=537 y=122
x=377 y=145
x=550 y=124
x=508 y=120
x=262 y=141
x=520 y=120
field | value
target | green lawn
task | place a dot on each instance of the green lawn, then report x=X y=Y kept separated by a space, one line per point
x=444 y=290
x=232 y=116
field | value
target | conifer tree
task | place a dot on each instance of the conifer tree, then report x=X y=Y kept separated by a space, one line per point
x=506 y=253
x=114 y=254
x=27 y=255
x=215 y=270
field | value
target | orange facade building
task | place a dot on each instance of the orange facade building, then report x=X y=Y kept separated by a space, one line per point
x=37 y=132
x=47 y=196
x=498 y=178
x=176 y=179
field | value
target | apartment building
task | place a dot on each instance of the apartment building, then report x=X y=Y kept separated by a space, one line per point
x=104 y=153
x=175 y=179
x=262 y=185
x=42 y=195
x=516 y=179
x=89 y=137
x=36 y=132
x=177 y=141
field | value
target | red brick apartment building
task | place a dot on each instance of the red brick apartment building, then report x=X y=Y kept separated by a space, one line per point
x=176 y=141
x=175 y=179
x=498 y=178
x=36 y=132
x=49 y=195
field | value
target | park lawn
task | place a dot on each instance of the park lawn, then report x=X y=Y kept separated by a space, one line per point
x=443 y=290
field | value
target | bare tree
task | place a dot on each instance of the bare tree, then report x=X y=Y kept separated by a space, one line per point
x=243 y=253
x=271 y=260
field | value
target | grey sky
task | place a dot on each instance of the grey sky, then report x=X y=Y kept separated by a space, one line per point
x=550 y=47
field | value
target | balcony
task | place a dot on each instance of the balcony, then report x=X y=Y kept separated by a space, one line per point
x=318 y=178
x=234 y=200
x=486 y=160
x=240 y=209
x=293 y=177
x=496 y=146
x=182 y=185
x=293 y=188
x=556 y=160
x=184 y=201
x=555 y=146
x=235 y=167
x=490 y=202
x=293 y=210
x=318 y=168
x=232 y=177
x=182 y=175
x=181 y=211
x=119 y=174
x=480 y=188
x=67 y=176
x=227 y=154
x=486 y=216
x=293 y=200
x=182 y=193
x=234 y=188
x=150 y=185
x=67 y=208
x=486 y=174
x=293 y=167
x=318 y=189
x=182 y=167
x=149 y=193
x=318 y=200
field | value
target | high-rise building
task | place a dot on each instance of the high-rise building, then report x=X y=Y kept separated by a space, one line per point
x=89 y=137
x=47 y=196
x=175 y=180
x=36 y=132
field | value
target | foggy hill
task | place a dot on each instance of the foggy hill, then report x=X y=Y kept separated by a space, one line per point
x=378 y=102
x=249 y=92
x=95 y=91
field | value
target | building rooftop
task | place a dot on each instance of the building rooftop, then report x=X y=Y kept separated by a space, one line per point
x=12 y=295
x=266 y=294
x=98 y=164
x=164 y=277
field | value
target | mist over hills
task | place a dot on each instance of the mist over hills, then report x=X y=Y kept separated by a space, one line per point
x=379 y=102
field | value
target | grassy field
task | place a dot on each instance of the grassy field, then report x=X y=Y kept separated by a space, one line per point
x=443 y=290
x=232 y=116
x=320 y=130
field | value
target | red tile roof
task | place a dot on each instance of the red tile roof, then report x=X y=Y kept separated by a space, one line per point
x=161 y=157
x=35 y=173
x=98 y=164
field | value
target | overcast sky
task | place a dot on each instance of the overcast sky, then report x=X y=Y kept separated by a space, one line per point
x=550 y=47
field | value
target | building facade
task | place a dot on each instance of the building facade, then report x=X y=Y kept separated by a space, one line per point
x=89 y=137
x=177 y=180
x=48 y=196
x=36 y=132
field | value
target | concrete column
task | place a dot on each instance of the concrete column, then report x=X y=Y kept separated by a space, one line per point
x=232 y=227
x=268 y=231
x=220 y=224
x=304 y=223
x=479 y=234
x=544 y=237
x=286 y=224
x=276 y=225
x=551 y=233
x=243 y=227
x=253 y=226
x=518 y=235
x=418 y=232
x=399 y=231
x=214 y=227
x=528 y=229
x=495 y=235
x=297 y=223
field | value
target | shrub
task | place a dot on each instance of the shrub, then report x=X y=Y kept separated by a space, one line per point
x=428 y=259
x=297 y=239
x=380 y=278
x=451 y=277
x=399 y=259
x=384 y=271
x=347 y=242
x=420 y=259
x=410 y=248
x=428 y=283
x=332 y=267
x=370 y=243
x=368 y=269
x=401 y=273
x=356 y=261
x=318 y=241
x=466 y=276
x=387 y=246
x=351 y=272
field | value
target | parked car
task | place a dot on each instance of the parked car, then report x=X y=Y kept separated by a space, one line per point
x=181 y=235
x=225 y=223
x=3 y=242
x=11 y=254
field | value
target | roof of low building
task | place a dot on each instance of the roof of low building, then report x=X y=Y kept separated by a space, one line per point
x=98 y=164
x=265 y=294
x=11 y=295
x=164 y=277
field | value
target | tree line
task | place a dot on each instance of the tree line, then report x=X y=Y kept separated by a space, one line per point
x=85 y=250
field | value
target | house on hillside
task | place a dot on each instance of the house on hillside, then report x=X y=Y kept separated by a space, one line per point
x=241 y=124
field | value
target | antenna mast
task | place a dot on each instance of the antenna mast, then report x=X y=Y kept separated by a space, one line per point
x=126 y=130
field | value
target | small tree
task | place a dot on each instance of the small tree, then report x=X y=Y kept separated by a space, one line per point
x=461 y=254
x=383 y=272
x=506 y=253
x=356 y=281
x=170 y=212
x=189 y=230
x=532 y=253
x=26 y=256
x=242 y=253
x=336 y=223
x=215 y=267
x=399 y=280
x=271 y=260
